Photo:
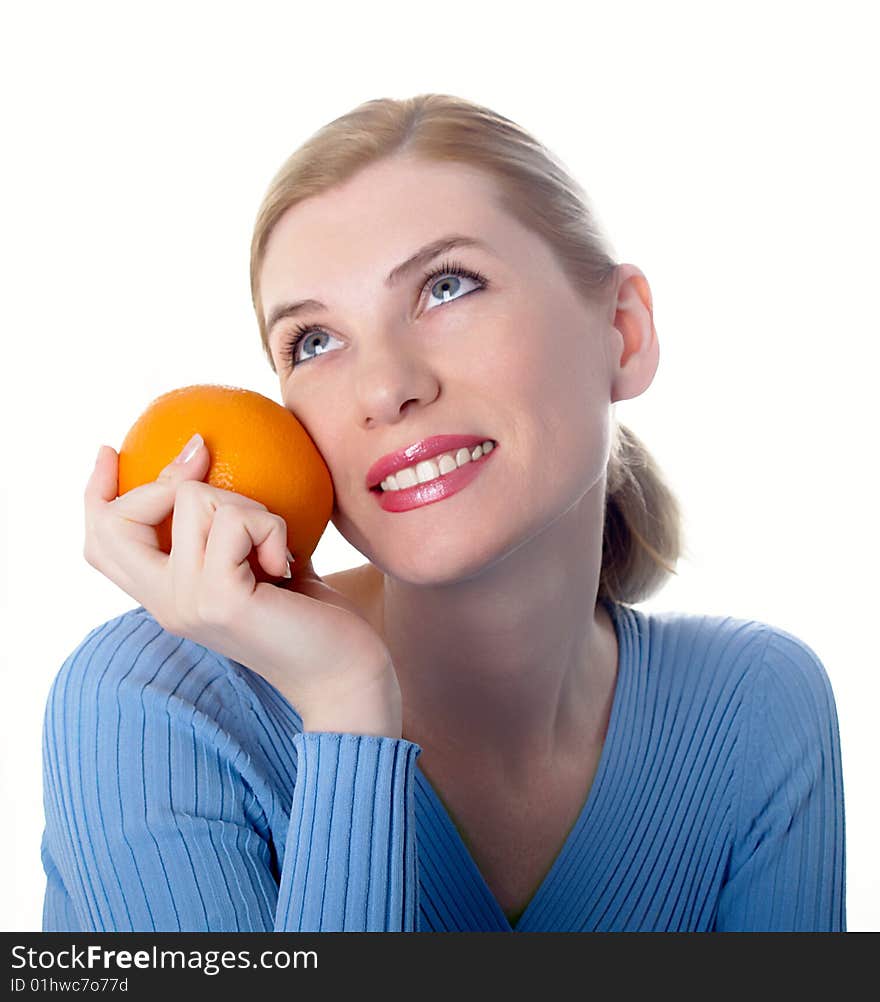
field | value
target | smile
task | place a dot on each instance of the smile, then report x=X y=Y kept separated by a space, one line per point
x=433 y=479
x=431 y=469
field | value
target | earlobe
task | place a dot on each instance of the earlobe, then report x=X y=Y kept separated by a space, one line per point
x=634 y=326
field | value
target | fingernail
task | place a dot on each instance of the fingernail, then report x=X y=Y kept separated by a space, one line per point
x=286 y=573
x=291 y=561
x=190 y=449
x=98 y=457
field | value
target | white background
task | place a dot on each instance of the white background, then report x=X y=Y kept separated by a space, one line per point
x=730 y=152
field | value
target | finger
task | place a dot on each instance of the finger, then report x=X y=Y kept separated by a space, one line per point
x=153 y=502
x=116 y=554
x=195 y=509
x=120 y=533
x=234 y=533
x=102 y=484
x=99 y=490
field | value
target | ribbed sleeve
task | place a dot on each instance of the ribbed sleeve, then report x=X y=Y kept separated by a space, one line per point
x=788 y=865
x=351 y=844
x=164 y=802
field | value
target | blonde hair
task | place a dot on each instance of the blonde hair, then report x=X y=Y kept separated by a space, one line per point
x=642 y=537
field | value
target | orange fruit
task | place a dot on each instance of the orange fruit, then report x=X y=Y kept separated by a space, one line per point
x=257 y=448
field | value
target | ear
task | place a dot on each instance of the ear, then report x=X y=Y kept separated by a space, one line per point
x=635 y=351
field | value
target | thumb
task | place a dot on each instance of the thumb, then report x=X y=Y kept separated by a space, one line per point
x=190 y=464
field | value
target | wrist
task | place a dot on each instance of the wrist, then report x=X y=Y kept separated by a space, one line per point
x=373 y=708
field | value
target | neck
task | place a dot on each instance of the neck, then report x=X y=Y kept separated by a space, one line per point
x=516 y=665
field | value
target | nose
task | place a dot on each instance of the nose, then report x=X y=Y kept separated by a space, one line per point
x=392 y=379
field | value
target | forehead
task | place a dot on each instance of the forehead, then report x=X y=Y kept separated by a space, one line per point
x=375 y=220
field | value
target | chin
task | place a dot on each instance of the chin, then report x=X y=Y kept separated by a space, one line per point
x=437 y=566
x=437 y=560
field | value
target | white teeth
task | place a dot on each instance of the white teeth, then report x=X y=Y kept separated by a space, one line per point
x=406 y=478
x=447 y=464
x=430 y=469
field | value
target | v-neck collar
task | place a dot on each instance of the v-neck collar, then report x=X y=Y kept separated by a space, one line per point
x=446 y=863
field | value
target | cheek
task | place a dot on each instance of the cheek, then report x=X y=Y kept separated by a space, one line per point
x=307 y=411
x=560 y=391
x=549 y=366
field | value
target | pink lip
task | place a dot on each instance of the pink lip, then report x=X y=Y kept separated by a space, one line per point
x=434 y=490
x=426 y=449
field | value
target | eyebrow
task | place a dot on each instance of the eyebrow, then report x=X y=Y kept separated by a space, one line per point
x=421 y=256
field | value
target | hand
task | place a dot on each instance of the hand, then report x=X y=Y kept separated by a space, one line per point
x=305 y=638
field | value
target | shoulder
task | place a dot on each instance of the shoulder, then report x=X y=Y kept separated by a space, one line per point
x=129 y=666
x=792 y=699
x=362 y=584
x=741 y=679
x=744 y=694
x=724 y=651
x=136 y=705
x=791 y=663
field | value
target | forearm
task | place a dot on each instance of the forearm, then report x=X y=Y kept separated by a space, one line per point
x=350 y=857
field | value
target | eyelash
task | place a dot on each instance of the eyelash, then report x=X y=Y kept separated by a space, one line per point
x=289 y=348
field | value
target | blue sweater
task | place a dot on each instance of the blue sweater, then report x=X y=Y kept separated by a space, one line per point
x=181 y=794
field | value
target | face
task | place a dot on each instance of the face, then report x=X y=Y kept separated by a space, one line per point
x=514 y=357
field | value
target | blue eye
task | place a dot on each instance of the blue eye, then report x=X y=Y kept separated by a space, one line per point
x=450 y=272
x=449 y=282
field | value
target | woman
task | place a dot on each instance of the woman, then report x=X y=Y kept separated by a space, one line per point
x=474 y=730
